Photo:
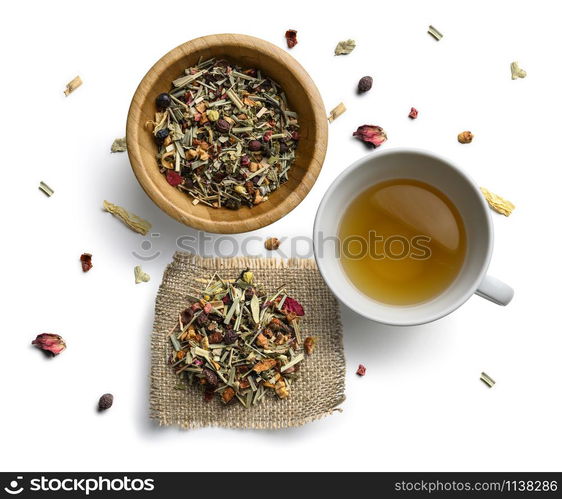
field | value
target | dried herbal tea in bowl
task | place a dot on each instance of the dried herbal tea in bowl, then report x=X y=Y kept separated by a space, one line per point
x=225 y=135
x=239 y=343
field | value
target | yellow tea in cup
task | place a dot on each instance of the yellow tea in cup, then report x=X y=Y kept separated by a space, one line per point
x=402 y=242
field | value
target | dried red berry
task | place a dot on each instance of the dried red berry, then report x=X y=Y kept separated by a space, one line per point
x=413 y=113
x=223 y=126
x=365 y=84
x=292 y=305
x=267 y=136
x=254 y=145
x=361 y=370
x=291 y=37
x=371 y=134
x=230 y=337
x=174 y=178
x=49 y=343
x=245 y=160
x=86 y=261
x=295 y=135
x=210 y=376
x=186 y=316
x=215 y=337
x=106 y=401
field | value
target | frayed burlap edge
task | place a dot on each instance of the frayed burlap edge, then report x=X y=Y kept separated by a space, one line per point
x=316 y=394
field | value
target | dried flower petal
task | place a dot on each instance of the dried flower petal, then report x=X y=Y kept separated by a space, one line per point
x=497 y=203
x=49 y=343
x=86 y=261
x=292 y=305
x=413 y=113
x=361 y=370
x=174 y=178
x=291 y=37
x=371 y=134
x=345 y=47
x=465 y=137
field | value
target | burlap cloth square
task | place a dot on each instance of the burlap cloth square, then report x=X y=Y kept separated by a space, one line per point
x=317 y=392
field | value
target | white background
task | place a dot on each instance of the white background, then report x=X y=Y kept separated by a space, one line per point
x=421 y=405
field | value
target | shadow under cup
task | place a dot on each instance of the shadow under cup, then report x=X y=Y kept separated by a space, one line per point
x=404 y=164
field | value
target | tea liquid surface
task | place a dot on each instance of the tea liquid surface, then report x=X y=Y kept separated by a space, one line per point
x=402 y=242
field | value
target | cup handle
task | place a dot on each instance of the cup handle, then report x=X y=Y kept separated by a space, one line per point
x=495 y=290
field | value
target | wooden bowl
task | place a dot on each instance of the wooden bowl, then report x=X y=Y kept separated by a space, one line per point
x=302 y=95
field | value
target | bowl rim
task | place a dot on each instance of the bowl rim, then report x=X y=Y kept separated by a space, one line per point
x=252 y=222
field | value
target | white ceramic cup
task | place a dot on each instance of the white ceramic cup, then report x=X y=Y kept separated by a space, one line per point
x=432 y=169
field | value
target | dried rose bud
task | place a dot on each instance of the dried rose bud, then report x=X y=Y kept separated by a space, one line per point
x=49 y=343
x=413 y=113
x=105 y=402
x=272 y=243
x=361 y=370
x=465 y=137
x=372 y=134
x=223 y=126
x=86 y=261
x=292 y=305
x=267 y=136
x=291 y=37
x=365 y=84
x=174 y=178
x=245 y=160
x=254 y=145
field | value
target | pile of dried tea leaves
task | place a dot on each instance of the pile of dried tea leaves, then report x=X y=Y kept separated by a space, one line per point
x=239 y=343
x=225 y=135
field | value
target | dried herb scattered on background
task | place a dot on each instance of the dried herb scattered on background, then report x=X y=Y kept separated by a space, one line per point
x=497 y=203
x=435 y=33
x=413 y=113
x=225 y=135
x=291 y=37
x=119 y=145
x=487 y=380
x=272 y=243
x=336 y=112
x=465 y=137
x=49 y=343
x=516 y=71
x=365 y=84
x=141 y=275
x=105 y=402
x=86 y=261
x=133 y=221
x=361 y=370
x=45 y=189
x=345 y=47
x=72 y=85
x=238 y=342
x=371 y=134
